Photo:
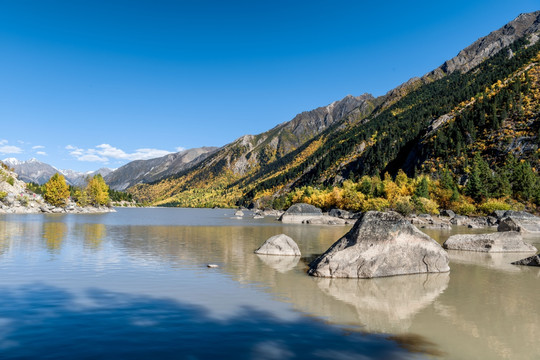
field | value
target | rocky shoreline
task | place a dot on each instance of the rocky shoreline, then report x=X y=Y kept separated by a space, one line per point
x=16 y=199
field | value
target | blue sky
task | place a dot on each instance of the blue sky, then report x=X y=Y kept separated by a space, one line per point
x=87 y=84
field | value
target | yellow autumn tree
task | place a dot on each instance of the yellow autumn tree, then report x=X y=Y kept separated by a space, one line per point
x=97 y=191
x=56 y=190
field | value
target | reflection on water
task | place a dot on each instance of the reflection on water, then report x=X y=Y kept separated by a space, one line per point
x=53 y=234
x=483 y=308
x=387 y=304
x=281 y=264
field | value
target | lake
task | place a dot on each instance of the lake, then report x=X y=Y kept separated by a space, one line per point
x=135 y=284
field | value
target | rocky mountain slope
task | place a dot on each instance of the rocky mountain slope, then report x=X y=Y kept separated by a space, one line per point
x=144 y=171
x=369 y=136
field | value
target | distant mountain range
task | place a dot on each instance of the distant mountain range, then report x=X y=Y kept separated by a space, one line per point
x=33 y=170
x=135 y=172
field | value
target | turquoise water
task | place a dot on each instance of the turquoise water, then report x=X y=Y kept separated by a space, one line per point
x=134 y=284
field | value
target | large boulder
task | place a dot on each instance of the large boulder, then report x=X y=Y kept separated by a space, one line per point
x=530 y=261
x=519 y=221
x=279 y=245
x=510 y=241
x=297 y=213
x=326 y=220
x=381 y=244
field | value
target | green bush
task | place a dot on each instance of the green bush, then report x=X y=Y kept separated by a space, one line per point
x=11 y=181
x=3 y=195
x=491 y=205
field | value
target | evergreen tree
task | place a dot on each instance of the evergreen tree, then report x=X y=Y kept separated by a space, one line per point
x=474 y=187
x=422 y=189
x=56 y=190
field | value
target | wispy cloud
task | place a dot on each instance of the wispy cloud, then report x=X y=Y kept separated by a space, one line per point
x=105 y=152
x=36 y=147
x=41 y=153
x=9 y=149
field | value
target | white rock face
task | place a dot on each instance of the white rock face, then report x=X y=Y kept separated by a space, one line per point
x=508 y=241
x=381 y=244
x=279 y=245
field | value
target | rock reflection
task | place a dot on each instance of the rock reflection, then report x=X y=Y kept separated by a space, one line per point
x=499 y=261
x=54 y=234
x=281 y=264
x=387 y=304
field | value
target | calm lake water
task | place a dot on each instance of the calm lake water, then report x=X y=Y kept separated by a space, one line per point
x=134 y=284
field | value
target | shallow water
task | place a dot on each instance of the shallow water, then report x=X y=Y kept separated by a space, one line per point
x=135 y=284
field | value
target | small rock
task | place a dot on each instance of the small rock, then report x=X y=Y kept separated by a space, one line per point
x=212 y=265
x=239 y=213
x=279 y=245
x=530 y=261
x=448 y=213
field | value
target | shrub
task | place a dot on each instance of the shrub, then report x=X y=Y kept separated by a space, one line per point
x=423 y=205
x=376 y=204
x=404 y=206
x=463 y=207
x=3 y=195
x=11 y=181
x=491 y=205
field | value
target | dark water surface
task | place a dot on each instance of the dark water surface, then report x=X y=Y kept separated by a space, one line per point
x=134 y=284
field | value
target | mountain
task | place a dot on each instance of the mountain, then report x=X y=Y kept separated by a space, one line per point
x=31 y=170
x=35 y=171
x=144 y=171
x=485 y=101
x=77 y=178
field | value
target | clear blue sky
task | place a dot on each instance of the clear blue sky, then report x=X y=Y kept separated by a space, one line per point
x=86 y=84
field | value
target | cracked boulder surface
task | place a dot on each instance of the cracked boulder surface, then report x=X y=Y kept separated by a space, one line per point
x=381 y=244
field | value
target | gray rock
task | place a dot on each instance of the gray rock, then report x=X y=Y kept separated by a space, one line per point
x=530 y=261
x=279 y=245
x=499 y=214
x=239 y=213
x=519 y=221
x=339 y=213
x=459 y=220
x=448 y=213
x=510 y=241
x=325 y=220
x=297 y=213
x=381 y=244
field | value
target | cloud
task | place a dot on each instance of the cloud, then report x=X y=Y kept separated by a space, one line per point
x=38 y=147
x=105 y=152
x=41 y=153
x=9 y=149
x=180 y=148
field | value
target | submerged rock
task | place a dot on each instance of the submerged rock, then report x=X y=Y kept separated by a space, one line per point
x=519 y=221
x=510 y=241
x=530 y=261
x=279 y=245
x=381 y=244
